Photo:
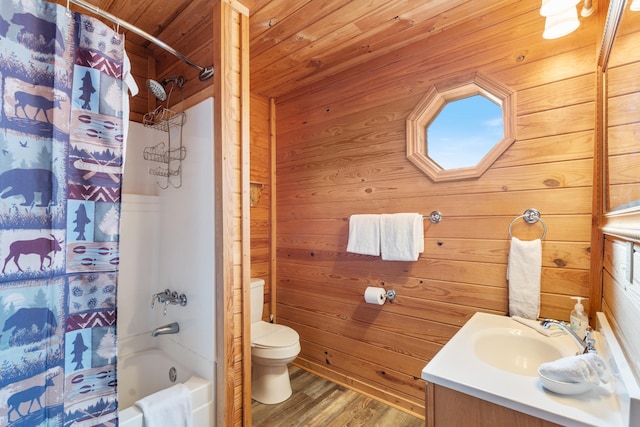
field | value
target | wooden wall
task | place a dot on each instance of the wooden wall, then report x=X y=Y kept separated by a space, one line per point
x=231 y=169
x=142 y=63
x=261 y=212
x=341 y=151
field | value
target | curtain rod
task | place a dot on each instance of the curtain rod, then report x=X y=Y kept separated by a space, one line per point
x=205 y=73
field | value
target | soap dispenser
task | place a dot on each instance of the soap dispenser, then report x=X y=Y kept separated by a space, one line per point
x=579 y=320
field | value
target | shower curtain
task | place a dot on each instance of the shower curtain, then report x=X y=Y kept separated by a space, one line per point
x=63 y=108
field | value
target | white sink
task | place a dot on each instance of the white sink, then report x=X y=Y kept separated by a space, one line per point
x=515 y=351
x=495 y=358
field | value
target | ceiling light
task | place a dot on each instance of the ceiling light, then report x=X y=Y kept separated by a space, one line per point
x=561 y=24
x=635 y=5
x=556 y=7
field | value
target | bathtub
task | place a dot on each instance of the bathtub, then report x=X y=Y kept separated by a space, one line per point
x=146 y=372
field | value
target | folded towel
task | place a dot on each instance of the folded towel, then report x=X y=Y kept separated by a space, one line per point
x=170 y=407
x=552 y=331
x=584 y=368
x=401 y=236
x=364 y=234
x=523 y=272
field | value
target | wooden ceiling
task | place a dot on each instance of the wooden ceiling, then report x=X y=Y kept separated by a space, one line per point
x=296 y=43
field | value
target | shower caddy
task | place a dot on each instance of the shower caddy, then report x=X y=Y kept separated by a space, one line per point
x=171 y=156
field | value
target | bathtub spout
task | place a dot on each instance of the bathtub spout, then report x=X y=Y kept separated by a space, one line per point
x=171 y=328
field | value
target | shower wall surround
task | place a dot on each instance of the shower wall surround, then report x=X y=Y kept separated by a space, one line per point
x=179 y=224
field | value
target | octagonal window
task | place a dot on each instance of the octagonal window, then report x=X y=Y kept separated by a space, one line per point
x=464 y=131
x=460 y=128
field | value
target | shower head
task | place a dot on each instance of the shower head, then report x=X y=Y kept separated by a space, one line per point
x=157 y=89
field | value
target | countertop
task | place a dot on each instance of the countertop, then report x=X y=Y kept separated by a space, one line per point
x=457 y=367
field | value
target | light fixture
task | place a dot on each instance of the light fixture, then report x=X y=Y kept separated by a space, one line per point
x=635 y=5
x=561 y=24
x=556 y=7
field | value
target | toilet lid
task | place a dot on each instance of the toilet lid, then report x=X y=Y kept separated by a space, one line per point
x=266 y=335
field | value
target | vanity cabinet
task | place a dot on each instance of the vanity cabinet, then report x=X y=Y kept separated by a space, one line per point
x=450 y=408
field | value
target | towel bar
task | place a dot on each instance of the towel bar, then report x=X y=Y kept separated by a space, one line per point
x=435 y=217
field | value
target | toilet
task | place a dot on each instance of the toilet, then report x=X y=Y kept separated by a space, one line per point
x=272 y=348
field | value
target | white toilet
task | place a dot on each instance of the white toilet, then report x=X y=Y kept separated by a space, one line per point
x=272 y=348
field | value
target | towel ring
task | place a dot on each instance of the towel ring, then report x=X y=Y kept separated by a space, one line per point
x=531 y=216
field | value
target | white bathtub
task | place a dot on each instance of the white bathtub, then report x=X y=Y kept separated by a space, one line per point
x=146 y=372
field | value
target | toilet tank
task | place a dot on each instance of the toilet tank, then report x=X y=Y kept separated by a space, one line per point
x=257 y=299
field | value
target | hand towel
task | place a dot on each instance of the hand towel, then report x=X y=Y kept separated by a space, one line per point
x=170 y=407
x=523 y=272
x=584 y=368
x=552 y=331
x=364 y=234
x=401 y=236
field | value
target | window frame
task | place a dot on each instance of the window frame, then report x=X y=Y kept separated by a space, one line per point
x=434 y=101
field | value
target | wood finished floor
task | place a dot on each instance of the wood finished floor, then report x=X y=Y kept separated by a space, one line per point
x=318 y=402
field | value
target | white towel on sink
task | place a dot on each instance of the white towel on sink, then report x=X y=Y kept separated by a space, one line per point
x=523 y=272
x=170 y=407
x=584 y=368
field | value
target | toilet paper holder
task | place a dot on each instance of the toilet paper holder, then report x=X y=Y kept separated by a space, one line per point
x=391 y=295
x=378 y=295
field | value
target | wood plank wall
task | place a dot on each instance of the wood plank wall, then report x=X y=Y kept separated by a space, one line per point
x=142 y=66
x=261 y=212
x=232 y=261
x=341 y=151
x=621 y=291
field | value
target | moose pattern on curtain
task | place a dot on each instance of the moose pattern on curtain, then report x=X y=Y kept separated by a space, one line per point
x=61 y=142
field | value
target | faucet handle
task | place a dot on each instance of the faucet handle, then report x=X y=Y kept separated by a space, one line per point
x=589 y=341
x=160 y=297
x=182 y=300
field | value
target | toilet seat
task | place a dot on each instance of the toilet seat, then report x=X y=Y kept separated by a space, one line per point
x=271 y=341
x=269 y=335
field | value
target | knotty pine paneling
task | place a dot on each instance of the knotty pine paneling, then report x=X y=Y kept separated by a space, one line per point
x=260 y=171
x=341 y=150
x=231 y=115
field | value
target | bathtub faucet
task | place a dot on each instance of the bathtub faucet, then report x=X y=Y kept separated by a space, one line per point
x=161 y=297
x=171 y=328
x=587 y=345
x=167 y=297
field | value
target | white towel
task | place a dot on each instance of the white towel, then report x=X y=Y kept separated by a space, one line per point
x=523 y=272
x=401 y=236
x=552 y=331
x=584 y=368
x=364 y=234
x=170 y=407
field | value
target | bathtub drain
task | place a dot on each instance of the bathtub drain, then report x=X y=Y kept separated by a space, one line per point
x=173 y=374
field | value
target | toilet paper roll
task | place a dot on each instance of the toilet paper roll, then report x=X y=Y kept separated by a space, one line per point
x=373 y=295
